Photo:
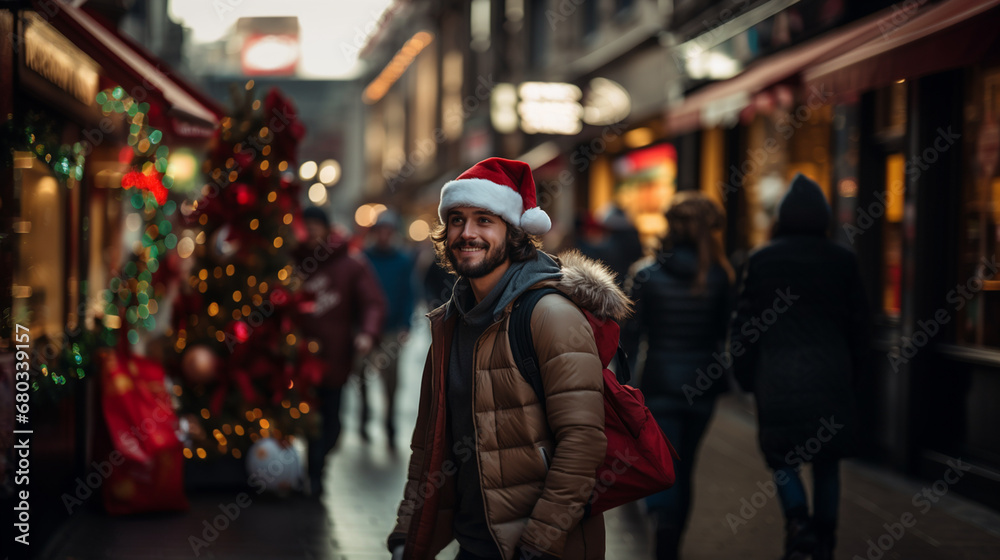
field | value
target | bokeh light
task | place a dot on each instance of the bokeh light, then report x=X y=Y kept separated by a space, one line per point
x=329 y=172
x=308 y=170
x=317 y=194
x=365 y=215
x=420 y=230
x=185 y=247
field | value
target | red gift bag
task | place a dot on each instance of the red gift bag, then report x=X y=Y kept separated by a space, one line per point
x=146 y=456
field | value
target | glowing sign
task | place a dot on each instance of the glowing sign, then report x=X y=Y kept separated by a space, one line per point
x=607 y=103
x=271 y=55
x=557 y=108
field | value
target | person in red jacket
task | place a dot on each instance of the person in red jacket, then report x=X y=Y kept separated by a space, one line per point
x=343 y=313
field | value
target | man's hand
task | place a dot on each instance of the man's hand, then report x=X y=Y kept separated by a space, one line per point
x=363 y=344
x=397 y=553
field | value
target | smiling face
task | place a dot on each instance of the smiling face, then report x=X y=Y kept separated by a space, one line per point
x=477 y=241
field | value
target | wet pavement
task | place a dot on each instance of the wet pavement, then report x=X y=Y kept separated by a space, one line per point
x=733 y=517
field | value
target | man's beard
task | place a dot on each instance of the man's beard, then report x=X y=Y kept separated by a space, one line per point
x=495 y=256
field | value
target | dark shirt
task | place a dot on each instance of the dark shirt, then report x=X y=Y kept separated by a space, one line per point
x=470 y=526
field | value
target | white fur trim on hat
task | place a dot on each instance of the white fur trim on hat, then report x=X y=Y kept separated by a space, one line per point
x=481 y=193
x=535 y=221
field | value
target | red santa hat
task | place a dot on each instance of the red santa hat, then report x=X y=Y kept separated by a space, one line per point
x=502 y=186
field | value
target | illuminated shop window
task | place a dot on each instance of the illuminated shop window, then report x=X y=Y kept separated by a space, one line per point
x=40 y=276
x=977 y=282
x=645 y=183
x=892 y=234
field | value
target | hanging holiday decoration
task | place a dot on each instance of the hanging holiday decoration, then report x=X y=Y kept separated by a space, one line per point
x=199 y=365
x=133 y=295
x=145 y=141
x=152 y=183
x=130 y=299
x=35 y=135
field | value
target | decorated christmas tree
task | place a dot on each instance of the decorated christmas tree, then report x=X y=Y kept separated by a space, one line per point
x=234 y=339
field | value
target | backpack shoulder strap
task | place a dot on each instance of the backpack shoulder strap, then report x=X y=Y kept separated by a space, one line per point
x=522 y=344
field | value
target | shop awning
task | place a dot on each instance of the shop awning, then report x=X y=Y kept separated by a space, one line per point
x=703 y=107
x=138 y=72
x=948 y=35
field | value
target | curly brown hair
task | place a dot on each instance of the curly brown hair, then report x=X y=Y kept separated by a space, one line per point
x=521 y=245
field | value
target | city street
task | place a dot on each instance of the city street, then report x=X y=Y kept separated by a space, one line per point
x=210 y=210
x=733 y=516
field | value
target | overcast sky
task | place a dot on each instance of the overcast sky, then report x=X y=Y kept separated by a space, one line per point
x=331 y=32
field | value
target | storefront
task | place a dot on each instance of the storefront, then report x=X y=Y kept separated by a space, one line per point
x=627 y=170
x=70 y=89
x=918 y=196
x=901 y=134
x=757 y=129
x=45 y=192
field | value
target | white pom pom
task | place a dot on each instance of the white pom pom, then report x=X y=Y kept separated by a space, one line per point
x=535 y=221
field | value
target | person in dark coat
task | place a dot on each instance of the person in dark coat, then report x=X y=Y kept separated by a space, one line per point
x=798 y=339
x=683 y=304
x=342 y=310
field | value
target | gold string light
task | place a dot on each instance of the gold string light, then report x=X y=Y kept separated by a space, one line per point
x=394 y=70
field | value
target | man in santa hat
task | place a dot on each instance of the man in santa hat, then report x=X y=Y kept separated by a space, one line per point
x=508 y=476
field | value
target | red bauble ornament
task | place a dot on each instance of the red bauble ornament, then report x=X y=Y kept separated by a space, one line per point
x=240 y=330
x=279 y=296
x=245 y=195
x=199 y=365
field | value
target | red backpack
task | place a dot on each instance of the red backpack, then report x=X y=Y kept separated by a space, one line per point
x=639 y=460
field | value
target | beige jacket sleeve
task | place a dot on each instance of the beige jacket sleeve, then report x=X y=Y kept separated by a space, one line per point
x=574 y=398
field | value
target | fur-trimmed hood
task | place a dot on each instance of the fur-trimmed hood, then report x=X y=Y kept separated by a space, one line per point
x=588 y=283
x=591 y=285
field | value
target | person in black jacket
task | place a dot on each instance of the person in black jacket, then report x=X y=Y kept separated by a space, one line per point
x=797 y=339
x=683 y=305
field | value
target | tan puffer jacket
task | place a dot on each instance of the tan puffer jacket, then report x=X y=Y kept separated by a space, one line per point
x=537 y=472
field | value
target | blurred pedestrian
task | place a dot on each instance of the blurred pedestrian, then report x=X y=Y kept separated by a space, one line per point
x=509 y=477
x=394 y=268
x=622 y=246
x=798 y=339
x=343 y=310
x=591 y=237
x=683 y=305
x=438 y=282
